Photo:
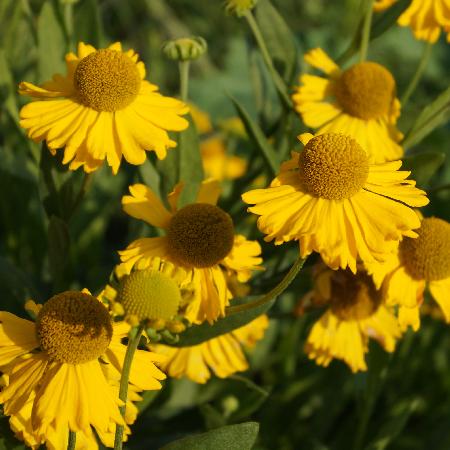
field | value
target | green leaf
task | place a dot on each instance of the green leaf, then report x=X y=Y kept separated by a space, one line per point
x=396 y=423
x=88 y=22
x=434 y=115
x=7 y=88
x=278 y=38
x=423 y=166
x=58 y=248
x=231 y=437
x=385 y=20
x=183 y=163
x=258 y=137
x=52 y=42
x=201 y=333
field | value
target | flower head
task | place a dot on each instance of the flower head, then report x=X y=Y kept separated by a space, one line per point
x=419 y=263
x=334 y=201
x=426 y=18
x=199 y=237
x=222 y=355
x=359 y=102
x=239 y=7
x=53 y=371
x=102 y=109
x=354 y=314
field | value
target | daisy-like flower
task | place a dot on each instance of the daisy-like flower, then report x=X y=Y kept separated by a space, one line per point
x=199 y=237
x=222 y=355
x=217 y=163
x=354 y=314
x=419 y=264
x=334 y=202
x=54 y=370
x=102 y=108
x=426 y=18
x=360 y=102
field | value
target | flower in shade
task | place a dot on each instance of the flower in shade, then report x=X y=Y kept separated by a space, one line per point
x=217 y=163
x=360 y=102
x=354 y=313
x=198 y=237
x=222 y=355
x=101 y=109
x=426 y=18
x=419 y=264
x=335 y=202
x=56 y=370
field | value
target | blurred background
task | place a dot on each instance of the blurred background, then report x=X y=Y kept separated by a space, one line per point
x=402 y=402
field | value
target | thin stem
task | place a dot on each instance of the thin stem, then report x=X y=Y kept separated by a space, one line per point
x=68 y=20
x=275 y=292
x=418 y=73
x=279 y=83
x=72 y=442
x=184 y=79
x=123 y=389
x=365 y=36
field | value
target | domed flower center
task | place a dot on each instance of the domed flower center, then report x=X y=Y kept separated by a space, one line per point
x=333 y=166
x=366 y=90
x=74 y=328
x=428 y=256
x=149 y=294
x=107 y=80
x=353 y=297
x=200 y=235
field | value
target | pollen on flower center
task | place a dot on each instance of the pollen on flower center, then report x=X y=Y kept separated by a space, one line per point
x=333 y=166
x=200 y=235
x=107 y=80
x=73 y=328
x=353 y=297
x=149 y=294
x=428 y=256
x=366 y=90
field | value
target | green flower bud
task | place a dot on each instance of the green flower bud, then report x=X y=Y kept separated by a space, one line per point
x=239 y=7
x=185 y=49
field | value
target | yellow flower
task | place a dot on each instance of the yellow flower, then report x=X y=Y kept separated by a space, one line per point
x=199 y=237
x=222 y=355
x=217 y=164
x=359 y=102
x=354 y=314
x=419 y=263
x=239 y=7
x=102 y=109
x=425 y=17
x=334 y=202
x=56 y=369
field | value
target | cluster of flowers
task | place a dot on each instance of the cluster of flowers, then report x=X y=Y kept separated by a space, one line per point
x=342 y=197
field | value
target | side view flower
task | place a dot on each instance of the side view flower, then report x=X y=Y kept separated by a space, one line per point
x=102 y=109
x=335 y=202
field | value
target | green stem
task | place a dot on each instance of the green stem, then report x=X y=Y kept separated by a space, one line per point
x=418 y=73
x=68 y=20
x=275 y=292
x=184 y=79
x=123 y=389
x=280 y=85
x=72 y=442
x=365 y=36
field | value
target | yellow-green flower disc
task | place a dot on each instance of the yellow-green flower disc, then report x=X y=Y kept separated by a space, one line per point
x=366 y=90
x=200 y=235
x=428 y=256
x=149 y=295
x=107 y=80
x=333 y=166
x=74 y=328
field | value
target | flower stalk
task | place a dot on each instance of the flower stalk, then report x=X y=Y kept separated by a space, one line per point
x=365 y=35
x=72 y=442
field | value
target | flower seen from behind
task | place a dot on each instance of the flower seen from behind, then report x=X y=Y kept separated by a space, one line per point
x=102 y=109
x=58 y=370
x=335 y=202
x=359 y=102
x=354 y=314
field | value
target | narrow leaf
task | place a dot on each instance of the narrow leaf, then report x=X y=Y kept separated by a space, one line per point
x=231 y=437
x=258 y=137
